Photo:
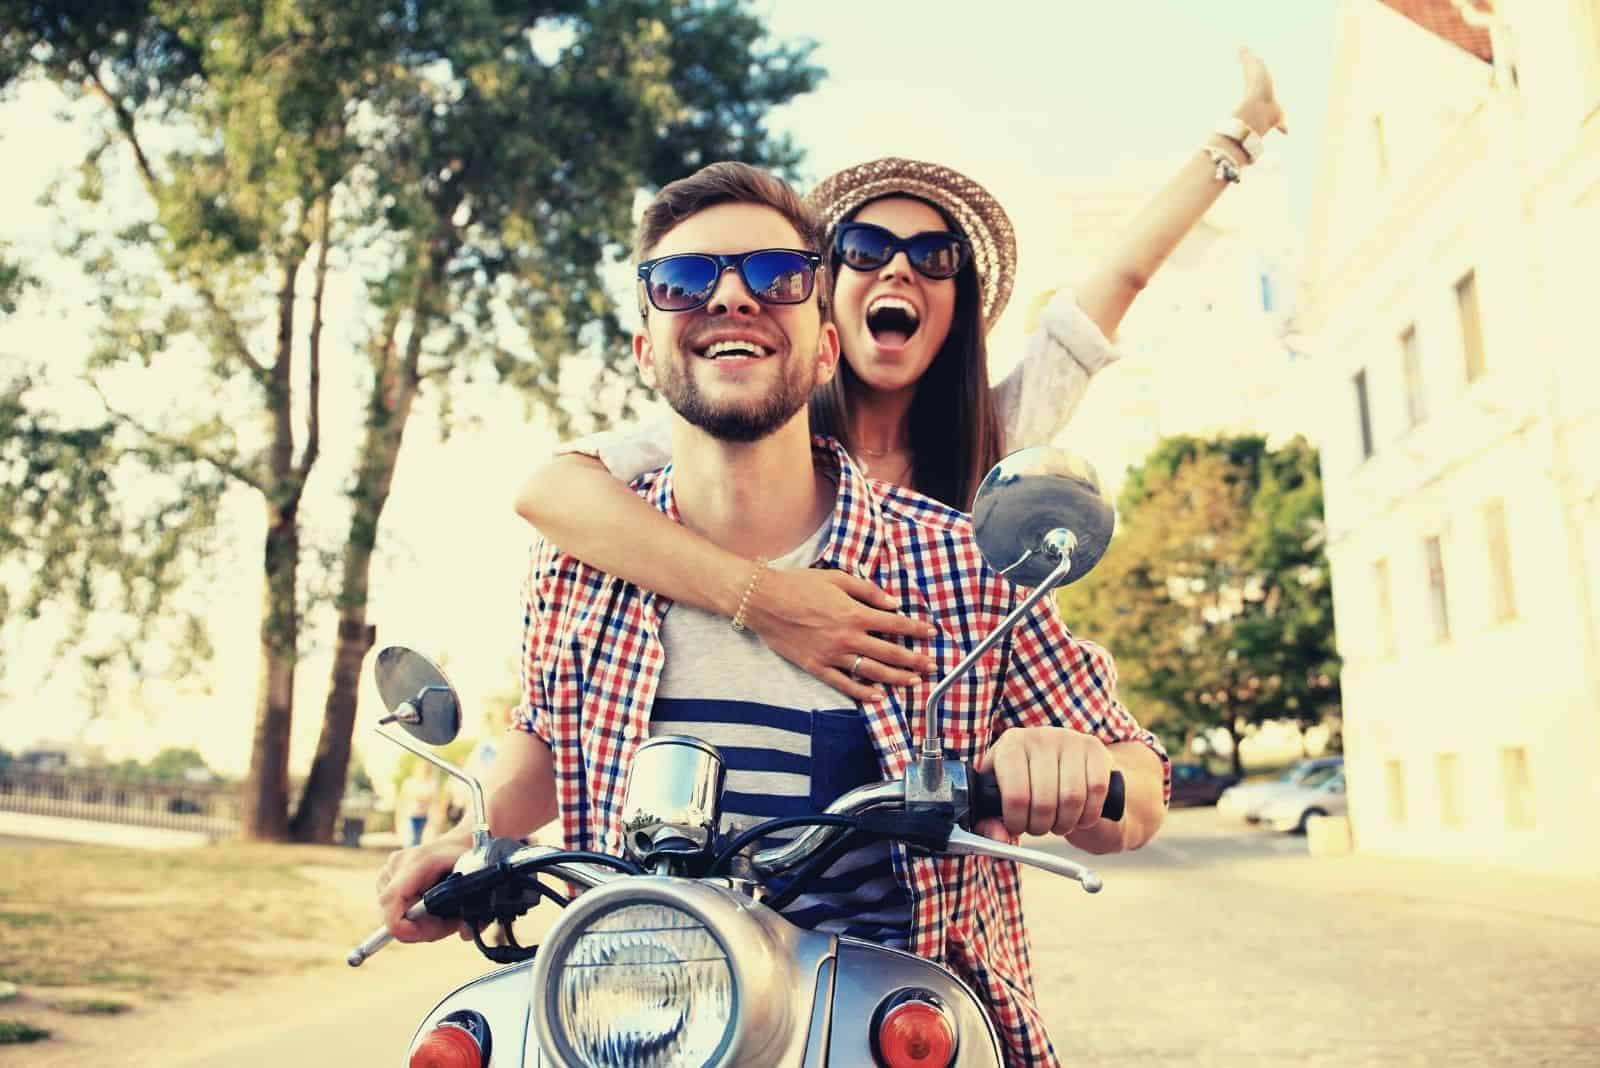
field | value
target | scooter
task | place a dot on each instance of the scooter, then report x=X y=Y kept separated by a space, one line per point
x=676 y=955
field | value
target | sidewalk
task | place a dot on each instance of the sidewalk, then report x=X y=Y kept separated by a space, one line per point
x=93 y=832
x=1477 y=887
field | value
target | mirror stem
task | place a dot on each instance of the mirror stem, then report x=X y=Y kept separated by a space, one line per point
x=405 y=712
x=930 y=767
x=480 y=809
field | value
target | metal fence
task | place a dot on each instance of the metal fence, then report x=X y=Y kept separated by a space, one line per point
x=207 y=807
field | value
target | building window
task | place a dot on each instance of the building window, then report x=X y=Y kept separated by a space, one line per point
x=1518 y=787
x=1411 y=360
x=1433 y=555
x=1449 y=790
x=1505 y=596
x=1395 y=782
x=1380 y=583
x=1471 y=324
x=1364 y=412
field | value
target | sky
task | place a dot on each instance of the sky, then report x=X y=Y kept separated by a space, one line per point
x=1028 y=98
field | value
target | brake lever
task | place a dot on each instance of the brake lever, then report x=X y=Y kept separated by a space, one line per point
x=965 y=843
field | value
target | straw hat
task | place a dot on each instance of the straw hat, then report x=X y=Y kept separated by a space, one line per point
x=981 y=219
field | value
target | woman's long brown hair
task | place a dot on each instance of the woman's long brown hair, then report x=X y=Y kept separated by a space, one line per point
x=955 y=432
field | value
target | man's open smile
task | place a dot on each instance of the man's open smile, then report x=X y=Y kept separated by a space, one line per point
x=731 y=346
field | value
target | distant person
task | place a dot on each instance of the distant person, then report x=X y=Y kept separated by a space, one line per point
x=416 y=800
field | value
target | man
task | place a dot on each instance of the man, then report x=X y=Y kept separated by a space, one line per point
x=735 y=338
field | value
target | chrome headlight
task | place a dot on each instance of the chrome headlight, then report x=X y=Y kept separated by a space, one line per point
x=643 y=984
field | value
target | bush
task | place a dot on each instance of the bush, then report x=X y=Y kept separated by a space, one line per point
x=15 y=1032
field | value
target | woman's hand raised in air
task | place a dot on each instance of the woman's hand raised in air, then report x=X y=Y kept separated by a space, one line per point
x=1259 y=106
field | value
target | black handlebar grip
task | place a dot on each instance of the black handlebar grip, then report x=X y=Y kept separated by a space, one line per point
x=986 y=797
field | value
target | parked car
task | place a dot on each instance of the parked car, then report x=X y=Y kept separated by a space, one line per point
x=1290 y=809
x=1244 y=801
x=1196 y=784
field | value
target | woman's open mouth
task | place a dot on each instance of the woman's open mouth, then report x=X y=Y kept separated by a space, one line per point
x=892 y=321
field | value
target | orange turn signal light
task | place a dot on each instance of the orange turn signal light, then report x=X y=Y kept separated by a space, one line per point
x=916 y=1034
x=447 y=1046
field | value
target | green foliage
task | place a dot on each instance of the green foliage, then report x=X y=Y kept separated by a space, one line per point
x=357 y=780
x=80 y=546
x=14 y=281
x=1215 y=595
x=15 y=1032
x=174 y=763
x=92 y=1007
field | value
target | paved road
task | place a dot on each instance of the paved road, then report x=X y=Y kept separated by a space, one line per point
x=1213 y=947
x=1223 y=946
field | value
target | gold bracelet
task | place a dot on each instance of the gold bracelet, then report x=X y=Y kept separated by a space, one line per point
x=749 y=589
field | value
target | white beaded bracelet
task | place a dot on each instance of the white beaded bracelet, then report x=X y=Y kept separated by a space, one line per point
x=1239 y=132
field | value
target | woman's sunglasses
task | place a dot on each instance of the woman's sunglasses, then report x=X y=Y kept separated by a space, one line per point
x=772 y=275
x=932 y=253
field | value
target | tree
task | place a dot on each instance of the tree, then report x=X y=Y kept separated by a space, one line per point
x=14 y=281
x=472 y=162
x=175 y=763
x=1215 y=595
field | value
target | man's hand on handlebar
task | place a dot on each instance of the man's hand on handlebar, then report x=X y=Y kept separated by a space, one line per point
x=405 y=877
x=1052 y=781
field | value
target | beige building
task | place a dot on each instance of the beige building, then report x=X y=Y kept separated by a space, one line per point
x=1452 y=270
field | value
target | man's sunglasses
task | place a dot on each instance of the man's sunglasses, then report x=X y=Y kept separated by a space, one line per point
x=772 y=275
x=933 y=253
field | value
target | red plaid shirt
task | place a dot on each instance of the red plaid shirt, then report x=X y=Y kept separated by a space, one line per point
x=592 y=659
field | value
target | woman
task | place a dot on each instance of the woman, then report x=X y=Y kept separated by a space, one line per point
x=921 y=260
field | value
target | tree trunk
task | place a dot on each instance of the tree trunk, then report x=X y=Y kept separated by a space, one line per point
x=318 y=813
x=265 y=809
x=1232 y=727
x=388 y=411
x=319 y=803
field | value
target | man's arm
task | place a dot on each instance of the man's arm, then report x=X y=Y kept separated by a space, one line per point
x=521 y=791
x=521 y=797
x=1062 y=731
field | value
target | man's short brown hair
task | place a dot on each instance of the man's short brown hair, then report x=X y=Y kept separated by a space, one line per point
x=731 y=183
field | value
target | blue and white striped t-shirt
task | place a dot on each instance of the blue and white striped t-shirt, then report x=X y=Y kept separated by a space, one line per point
x=791 y=745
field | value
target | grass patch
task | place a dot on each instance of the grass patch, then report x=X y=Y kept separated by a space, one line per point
x=113 y=977
x=23 y=919
x=164 y=922
x=15 y=1032
x=91 y=1007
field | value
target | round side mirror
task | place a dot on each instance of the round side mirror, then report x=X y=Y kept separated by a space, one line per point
x=1029 y=496
x=417 y=695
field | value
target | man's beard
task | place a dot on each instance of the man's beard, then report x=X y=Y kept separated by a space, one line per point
x=730 y=421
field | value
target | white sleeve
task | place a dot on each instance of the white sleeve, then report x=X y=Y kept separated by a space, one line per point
x=1040 y=394
x=626 y=453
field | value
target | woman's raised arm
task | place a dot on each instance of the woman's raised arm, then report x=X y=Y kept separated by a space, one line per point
x=1107 y=294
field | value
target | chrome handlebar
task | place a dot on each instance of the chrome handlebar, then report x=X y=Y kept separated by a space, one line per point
x=791 y=855
x=814 y=839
